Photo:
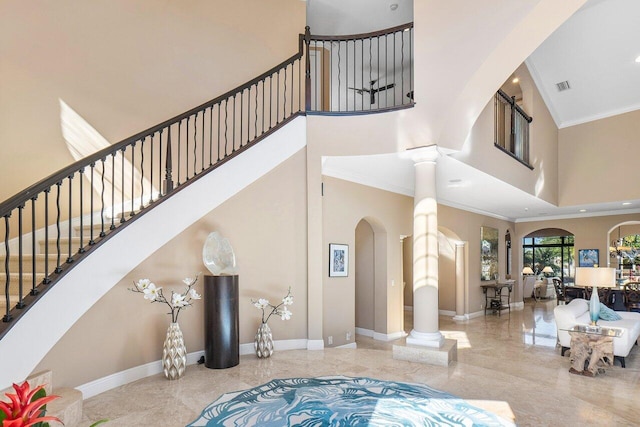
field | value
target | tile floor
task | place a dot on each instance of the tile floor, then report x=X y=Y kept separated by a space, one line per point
x=509 y=362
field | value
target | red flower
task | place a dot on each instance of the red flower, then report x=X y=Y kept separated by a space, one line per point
x=24 y=409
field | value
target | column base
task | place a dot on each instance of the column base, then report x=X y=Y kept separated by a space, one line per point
x=442 y=356
x=426 y=339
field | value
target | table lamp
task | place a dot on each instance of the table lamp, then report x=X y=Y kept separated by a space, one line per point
x=527 y=271
x=603 y=277
x=547 y=270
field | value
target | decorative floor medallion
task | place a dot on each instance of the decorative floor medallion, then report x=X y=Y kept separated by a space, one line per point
x=343 y=401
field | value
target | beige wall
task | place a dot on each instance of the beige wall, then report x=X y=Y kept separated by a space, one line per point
x=595 y=158
x=364 y=273
x=407 y=270
x=124 y=66
x=266 y=224
x=467 y=226
x=390 y=215
x=479 y=150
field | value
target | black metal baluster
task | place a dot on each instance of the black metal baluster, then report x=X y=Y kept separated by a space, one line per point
x=91 y=241
x=346 y=75
x=370 y=68
x=33 y=245
x=179 y=136
x=362 y=72
x=133 y=174
x=241 y=114
x=204 y=112
x=152 y=143
x=284 y=97
x=226 y=116
x=113 y=187
x=69 y=224
x=263 y=95
x=278 y=97
x=411 y=62
x=7 y=283
x=255 y=125
x=218 y=149
x=270 y=100
x=233 y=134
x=122 y=185
x=378 y=68
x=339 y=72
x=46 y=279
x=249 y=115
x=58 y=269
x=102 y=233
x=210 y=136
x=168 y=169
x=20 y=304
x=186 y=150
x=81 y=248
x=195 y=143
x=402 y=66
x=394 y=68
x=160 y=181
x=386 y=72
x=142 y=173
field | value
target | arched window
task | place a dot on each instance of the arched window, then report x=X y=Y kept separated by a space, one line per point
x=550 y=247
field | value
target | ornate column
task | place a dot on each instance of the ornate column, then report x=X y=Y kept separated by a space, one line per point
x=425 y=251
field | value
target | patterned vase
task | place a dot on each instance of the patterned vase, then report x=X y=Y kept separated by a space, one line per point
x=174 y=353
x=264 y=341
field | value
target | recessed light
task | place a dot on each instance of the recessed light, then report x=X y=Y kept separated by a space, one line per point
x=638 y=59
x=583 y=210
x=515 y=80
x=627 y=203
x=393 y=6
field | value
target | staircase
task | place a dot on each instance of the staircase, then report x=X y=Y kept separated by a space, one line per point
x=67 y=408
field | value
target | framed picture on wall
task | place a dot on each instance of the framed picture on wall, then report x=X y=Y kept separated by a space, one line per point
x=588 y=257
x=338 y=260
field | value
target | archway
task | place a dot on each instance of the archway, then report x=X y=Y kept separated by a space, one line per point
x=370 y=267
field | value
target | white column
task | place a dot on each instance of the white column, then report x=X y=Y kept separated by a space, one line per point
x=425 y=251
x=460 y=280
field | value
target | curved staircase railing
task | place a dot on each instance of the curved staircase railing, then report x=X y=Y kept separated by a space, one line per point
x=51 y=226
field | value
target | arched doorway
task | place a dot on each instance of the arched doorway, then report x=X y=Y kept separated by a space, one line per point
x=370 y=264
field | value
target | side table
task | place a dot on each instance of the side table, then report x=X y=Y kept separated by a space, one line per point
x=496 y=301
x=592 y=343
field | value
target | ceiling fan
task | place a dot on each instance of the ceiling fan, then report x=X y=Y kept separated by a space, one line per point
x=372 y=90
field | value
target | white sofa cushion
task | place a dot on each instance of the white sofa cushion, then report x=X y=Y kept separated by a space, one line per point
x=577 y=313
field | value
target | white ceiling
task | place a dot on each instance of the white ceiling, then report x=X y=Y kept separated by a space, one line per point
x=594 y=50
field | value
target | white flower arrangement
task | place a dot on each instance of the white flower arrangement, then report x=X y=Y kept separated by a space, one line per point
x=177 y=302
x=281 y=309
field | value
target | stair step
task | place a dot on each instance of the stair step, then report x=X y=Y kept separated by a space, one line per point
x=14 y=261
x=64 y=245
x=27 y=278
x=68 y=407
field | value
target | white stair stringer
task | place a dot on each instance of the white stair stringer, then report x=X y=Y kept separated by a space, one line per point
x=34 y=334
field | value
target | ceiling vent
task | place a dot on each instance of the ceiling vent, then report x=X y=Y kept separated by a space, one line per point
x=563 y=86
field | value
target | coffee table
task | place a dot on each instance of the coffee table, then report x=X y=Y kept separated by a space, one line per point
x=592 y=343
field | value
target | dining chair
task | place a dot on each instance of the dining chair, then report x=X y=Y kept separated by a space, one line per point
x=632 y=296
x=560 y=291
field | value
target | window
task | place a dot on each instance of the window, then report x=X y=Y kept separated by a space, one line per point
x=553 y=251
x=511 y=127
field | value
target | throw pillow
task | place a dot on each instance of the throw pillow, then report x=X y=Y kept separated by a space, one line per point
x=607 y=314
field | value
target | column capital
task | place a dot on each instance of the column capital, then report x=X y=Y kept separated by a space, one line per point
x=429 y=153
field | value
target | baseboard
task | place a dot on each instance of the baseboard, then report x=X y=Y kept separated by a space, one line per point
x=446 y=313
x=389 y=337
x=476 y=314
x=350 y=345
x=517 y=305
x=364 y=332
x=118 y=379
x=315 y=344
x=460 y=318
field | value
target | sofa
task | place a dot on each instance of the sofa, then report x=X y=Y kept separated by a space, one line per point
x=577 y=313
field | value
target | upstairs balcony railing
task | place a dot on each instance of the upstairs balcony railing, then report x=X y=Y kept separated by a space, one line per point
x=51 y=226
x=361 y=73
x=511 y=127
